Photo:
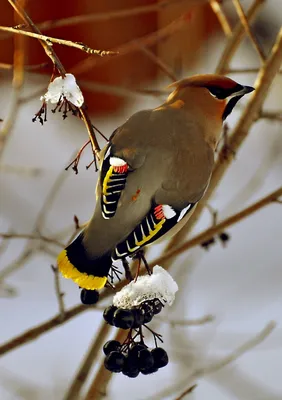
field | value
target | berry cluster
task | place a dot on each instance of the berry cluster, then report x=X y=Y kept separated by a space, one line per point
x=134 y=317
x=131 y=359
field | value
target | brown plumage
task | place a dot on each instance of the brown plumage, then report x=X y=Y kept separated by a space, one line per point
x=154 y=171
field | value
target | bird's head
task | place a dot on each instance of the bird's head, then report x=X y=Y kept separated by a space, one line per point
x=214 y=95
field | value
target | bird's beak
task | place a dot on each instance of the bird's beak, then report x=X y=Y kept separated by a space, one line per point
x=245 y=90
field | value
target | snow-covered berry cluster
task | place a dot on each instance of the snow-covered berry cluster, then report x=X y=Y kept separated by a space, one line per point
x=133 y=308
x=65 y=93
x=135 y=317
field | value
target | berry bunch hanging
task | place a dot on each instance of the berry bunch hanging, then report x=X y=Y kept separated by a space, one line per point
x=132 y=309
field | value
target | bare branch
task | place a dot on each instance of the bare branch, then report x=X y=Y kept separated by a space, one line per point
x=59 y=293
x=30 y=236
x=98 y=388
x=49 y=40
x=245 y=23
x=223 y=20
x=186 y=322
x=35 y=67
x=209 y=233
x=236 y=38
x=244 y=348
x=134 y=45
x=18 y=79
x=84 y=370
x=40 y=329
x=162 y=65
x=271 y=115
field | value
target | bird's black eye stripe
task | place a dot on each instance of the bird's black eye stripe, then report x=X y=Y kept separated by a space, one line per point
x=223 y=93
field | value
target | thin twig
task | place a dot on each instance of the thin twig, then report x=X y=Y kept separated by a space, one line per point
x=46 y=46
x=59 y=293
x=88 y=361
x=49 y=40
x=108 y=15
x=245 y=71
x=41 y=329
x=30 y=249
x=209 y=233
x=245 y=23
x=161 y=64
x=236 y=38
x=244 y=348
x=239 y=133
x=186 y=322
x=187 y=391
x=134 y=45
x=31 y=236
x=271 y=115
x=223 y=20
x=17 y=84
x=35 y=67
x=25 y=256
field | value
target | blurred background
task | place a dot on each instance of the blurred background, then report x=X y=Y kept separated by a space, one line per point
x=240 y=284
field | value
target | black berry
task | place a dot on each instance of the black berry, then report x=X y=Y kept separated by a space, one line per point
x=148 y=312
x=133 y=353
x=111 y=345
x=208 y=243
x=145 y=360
x=123 y=318
x=109 y=314
x=157 y=306
x=139 y=317
x=149 y=371
x=89 y=296
x=132 y=373
x=224 y=237
x=160 y=357
x=114 y=361
x=130 y=367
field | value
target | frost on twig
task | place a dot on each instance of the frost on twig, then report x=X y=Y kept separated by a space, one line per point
x=65 y=93
x=159 y=285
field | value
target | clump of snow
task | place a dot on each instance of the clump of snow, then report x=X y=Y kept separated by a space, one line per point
x=159 y=285
x=64 y=87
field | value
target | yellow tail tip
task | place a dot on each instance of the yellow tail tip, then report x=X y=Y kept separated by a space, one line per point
x=69 y=271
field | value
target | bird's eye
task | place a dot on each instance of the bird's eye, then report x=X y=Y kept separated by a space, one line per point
x=217 y=92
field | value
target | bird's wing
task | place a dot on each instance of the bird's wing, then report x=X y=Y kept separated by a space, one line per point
x=151 y=177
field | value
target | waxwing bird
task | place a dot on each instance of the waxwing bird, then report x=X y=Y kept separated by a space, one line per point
x=154 y=170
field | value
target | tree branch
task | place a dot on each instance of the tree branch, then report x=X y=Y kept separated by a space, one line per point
x=209 y=233
x=84 y=370
x=236 y=38
x=245 y=347
x=134 y=45
x=98 y=388
x=217 y=9
x=49 y=39
x=30 y=236
x=18 y=80
x=245 y=23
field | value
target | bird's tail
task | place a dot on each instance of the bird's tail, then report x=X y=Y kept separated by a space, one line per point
x=75 y=263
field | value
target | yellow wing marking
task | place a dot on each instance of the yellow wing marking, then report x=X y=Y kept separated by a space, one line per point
x=153 y=232
x=107 y=180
